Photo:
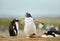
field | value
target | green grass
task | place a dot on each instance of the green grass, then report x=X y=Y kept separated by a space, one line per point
x=46 y=20
x=4 y=21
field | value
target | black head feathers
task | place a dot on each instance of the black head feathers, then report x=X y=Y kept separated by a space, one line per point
x=28 y=15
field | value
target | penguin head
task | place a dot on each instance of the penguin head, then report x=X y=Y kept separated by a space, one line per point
x=28 y=15
x=15 y=20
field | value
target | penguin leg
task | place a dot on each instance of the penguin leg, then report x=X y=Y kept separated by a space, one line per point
x=32 y=35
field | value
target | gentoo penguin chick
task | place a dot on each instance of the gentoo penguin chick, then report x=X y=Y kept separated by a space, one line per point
x=13 y=28
x=29 y=27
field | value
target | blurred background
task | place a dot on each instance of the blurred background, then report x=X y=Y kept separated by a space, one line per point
x=46 y=11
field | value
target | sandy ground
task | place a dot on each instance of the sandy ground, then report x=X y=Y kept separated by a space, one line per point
x=29 y=39
x=4 y=36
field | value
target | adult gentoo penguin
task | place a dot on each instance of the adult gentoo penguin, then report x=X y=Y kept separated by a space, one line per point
x=13 y=28
x=29 y=27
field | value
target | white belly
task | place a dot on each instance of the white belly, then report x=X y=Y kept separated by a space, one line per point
x=46 y=36
x=17 y=26
x=29 y=27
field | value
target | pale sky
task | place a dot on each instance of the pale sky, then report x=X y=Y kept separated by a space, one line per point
x=18 y=8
